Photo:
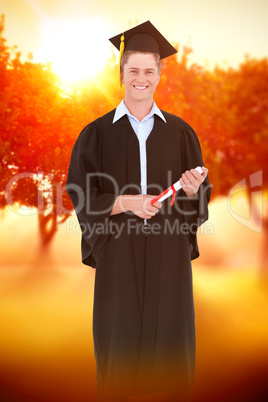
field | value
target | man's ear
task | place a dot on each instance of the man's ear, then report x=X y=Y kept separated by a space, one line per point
x=122 y=76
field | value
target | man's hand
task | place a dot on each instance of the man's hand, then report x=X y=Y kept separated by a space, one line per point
x=141 y=206
x=138 y=204
x=191 y=180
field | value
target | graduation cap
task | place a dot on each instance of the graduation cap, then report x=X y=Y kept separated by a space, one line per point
x=144 y=37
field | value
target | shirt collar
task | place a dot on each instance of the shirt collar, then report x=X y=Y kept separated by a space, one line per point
x=121 y=110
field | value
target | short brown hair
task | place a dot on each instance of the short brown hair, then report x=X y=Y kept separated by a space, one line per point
x=128 y=53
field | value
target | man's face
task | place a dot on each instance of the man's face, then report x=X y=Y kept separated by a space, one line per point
x=140 y=77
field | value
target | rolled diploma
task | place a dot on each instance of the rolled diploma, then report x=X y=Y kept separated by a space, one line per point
x=176 y=185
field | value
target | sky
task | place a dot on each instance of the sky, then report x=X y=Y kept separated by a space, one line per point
x=220 y=32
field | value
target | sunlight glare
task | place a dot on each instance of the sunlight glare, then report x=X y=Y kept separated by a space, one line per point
x=77 y=49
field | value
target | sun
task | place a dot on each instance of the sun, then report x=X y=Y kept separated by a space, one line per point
x=77 y=49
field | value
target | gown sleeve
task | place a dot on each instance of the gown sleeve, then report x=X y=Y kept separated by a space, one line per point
x=85 y=183
x=195 y=210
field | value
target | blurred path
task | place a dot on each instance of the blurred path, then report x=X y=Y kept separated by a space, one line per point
x=46 y=344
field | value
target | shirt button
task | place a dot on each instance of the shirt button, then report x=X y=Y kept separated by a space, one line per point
x=142 y=164
x=141 y=144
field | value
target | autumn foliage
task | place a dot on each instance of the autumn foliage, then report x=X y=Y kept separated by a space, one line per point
x=40 y=121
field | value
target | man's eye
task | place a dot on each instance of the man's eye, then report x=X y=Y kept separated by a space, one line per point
x=133 y=71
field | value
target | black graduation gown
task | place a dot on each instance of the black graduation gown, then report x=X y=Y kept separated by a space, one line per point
x=143 y=316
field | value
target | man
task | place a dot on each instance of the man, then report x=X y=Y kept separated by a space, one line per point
x=143 y=315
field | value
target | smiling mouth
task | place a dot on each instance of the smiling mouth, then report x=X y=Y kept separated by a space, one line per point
x=140 y=88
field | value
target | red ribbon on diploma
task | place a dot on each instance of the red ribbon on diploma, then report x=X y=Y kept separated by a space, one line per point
x=164 y=193
x=172 y=190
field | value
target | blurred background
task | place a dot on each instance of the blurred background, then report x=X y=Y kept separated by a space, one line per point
x=58 y=72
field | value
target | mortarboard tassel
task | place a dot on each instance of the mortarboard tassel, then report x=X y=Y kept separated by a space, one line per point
x=122 y=47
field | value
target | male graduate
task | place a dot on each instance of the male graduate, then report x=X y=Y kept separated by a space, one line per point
x=143 y=315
